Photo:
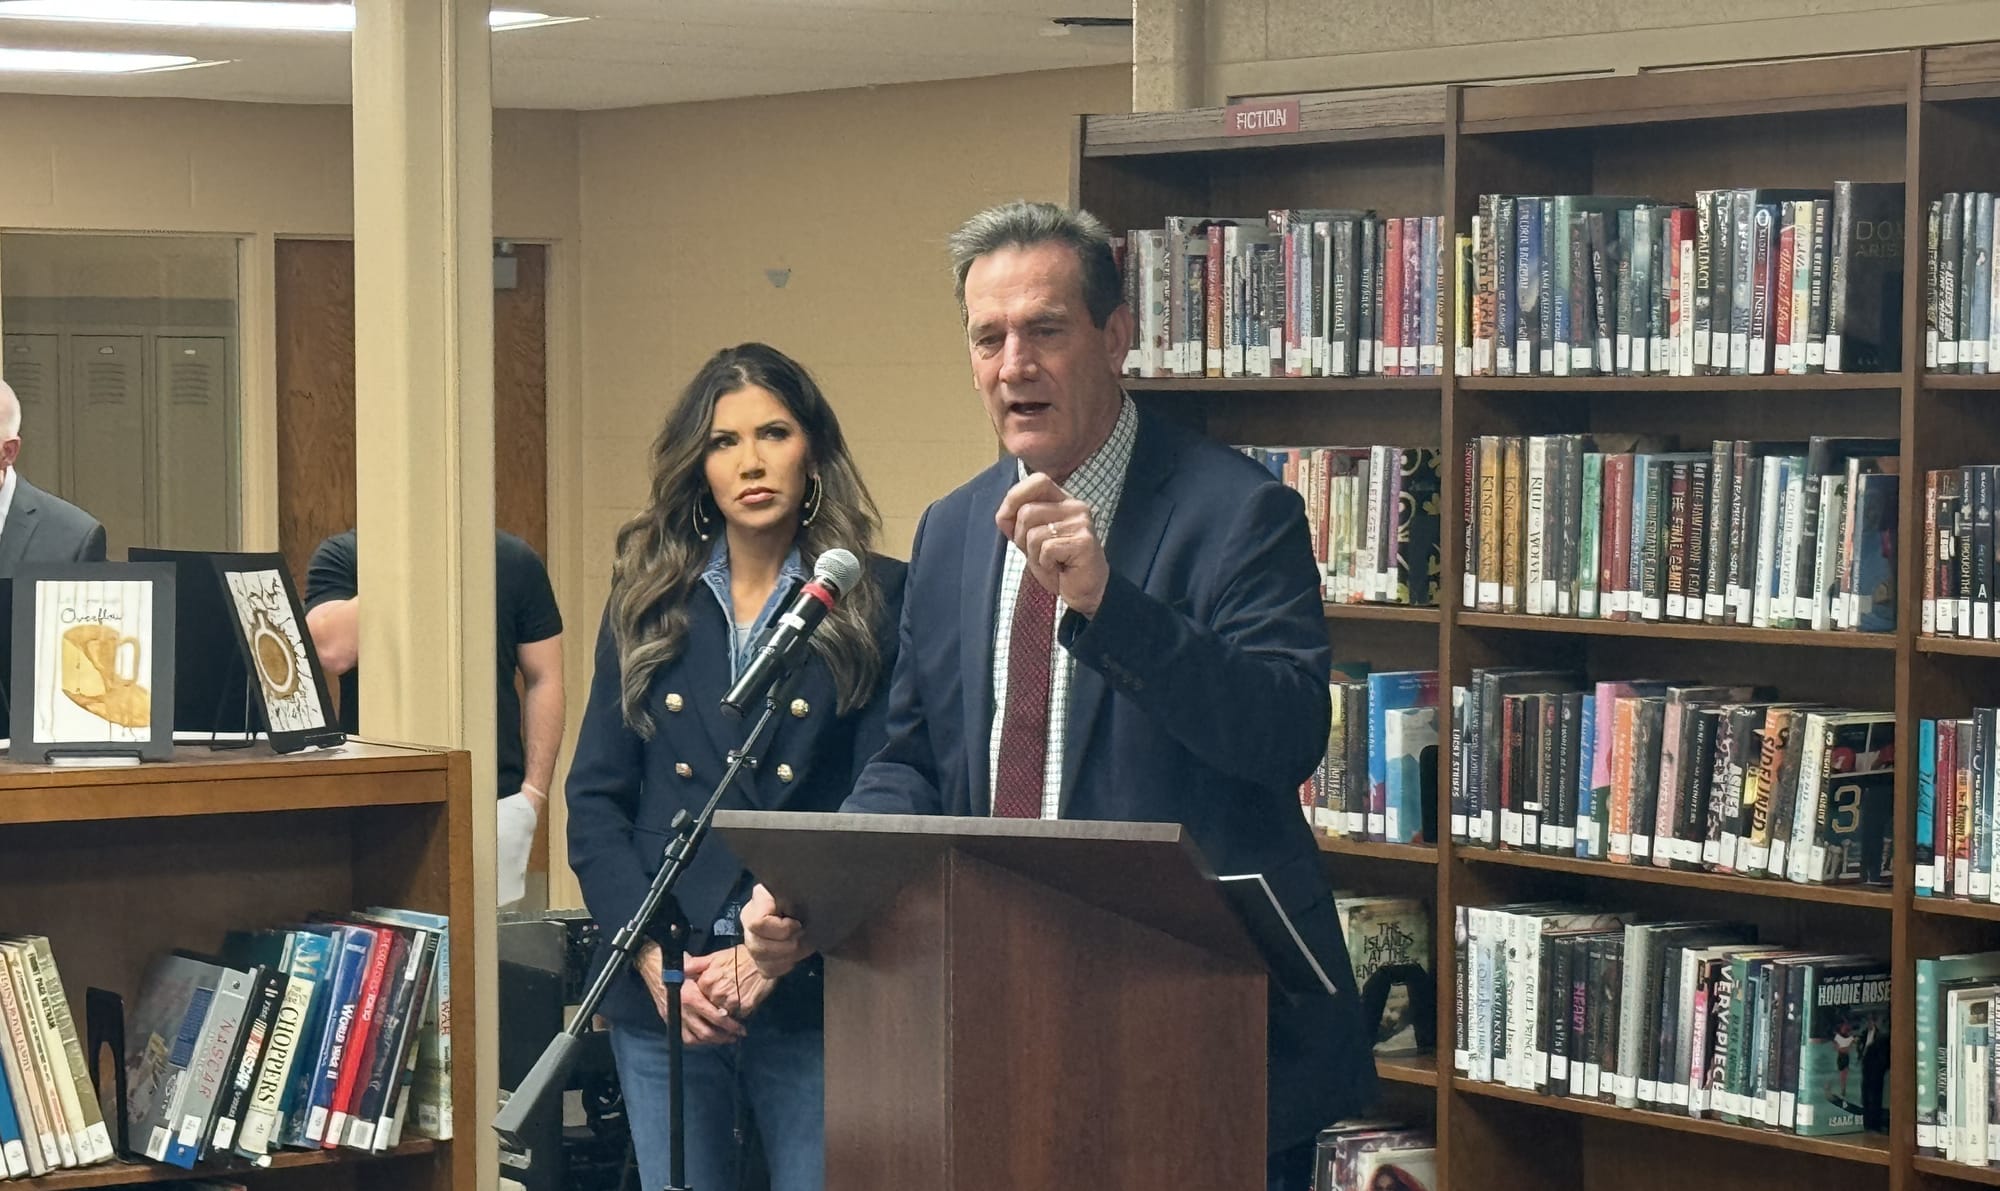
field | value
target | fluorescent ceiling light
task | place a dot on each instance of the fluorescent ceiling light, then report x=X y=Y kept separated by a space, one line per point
x=86 y=62
x=284 y=15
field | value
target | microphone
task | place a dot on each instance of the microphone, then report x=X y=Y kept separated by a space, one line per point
x=784 y=647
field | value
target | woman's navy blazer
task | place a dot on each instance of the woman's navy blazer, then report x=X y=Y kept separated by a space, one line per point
x=623 y=791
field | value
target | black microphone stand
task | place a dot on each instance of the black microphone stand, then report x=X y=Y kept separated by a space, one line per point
x=659 y=917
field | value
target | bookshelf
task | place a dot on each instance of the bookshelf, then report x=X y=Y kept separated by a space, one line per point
x=1927 y=117
x=116 y=865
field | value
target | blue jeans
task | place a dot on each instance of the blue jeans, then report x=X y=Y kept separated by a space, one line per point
x=779 y=1073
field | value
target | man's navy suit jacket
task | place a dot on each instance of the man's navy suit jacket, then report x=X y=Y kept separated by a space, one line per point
x=1199 y=697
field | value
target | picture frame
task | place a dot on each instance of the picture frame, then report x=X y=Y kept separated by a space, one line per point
x=93 y=663
x=287 y=683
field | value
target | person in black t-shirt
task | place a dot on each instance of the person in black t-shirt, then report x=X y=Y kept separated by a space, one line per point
x=528 y=732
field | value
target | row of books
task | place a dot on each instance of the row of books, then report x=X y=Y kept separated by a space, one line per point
x=1373 y=513
x=1693 y=1018
x=1961 y=320
x=1754 y=533
x=1374 y=1155
x=1743 y=282
x=1296 y=292
x=1959 y=570
x=330 y=1034
x=1675 y=775
x=1958 y=806
x=1958 y=1083
x=49 y=1115
x=1378 y=779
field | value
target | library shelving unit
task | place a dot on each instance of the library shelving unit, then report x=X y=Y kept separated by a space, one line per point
x=116 y=865
x=1927 y=117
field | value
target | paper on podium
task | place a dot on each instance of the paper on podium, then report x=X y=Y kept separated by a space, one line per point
x=1293 y=966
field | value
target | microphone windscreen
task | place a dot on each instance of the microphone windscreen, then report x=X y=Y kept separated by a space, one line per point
x=838 y=568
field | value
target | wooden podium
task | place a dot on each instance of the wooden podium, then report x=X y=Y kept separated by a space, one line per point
x=1019 y=1005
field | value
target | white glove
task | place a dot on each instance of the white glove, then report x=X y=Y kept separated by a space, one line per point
x=517 y=821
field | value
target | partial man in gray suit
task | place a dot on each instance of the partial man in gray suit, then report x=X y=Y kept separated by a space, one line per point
x=36 y=526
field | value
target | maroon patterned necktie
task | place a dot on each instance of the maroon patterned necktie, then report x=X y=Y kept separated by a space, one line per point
x=1024 y=734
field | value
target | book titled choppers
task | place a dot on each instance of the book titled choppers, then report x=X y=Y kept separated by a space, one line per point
x=328 y=1034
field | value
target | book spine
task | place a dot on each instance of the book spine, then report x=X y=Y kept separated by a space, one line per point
x=235 y=1102
x=91 y=1136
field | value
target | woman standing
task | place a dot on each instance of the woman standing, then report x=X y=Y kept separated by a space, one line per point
x=751 y=482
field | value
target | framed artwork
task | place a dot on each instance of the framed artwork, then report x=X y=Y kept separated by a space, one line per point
x=287 y=684
x=93 y=662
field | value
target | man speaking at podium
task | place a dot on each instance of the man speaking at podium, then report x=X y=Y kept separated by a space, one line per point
x=1120 y=620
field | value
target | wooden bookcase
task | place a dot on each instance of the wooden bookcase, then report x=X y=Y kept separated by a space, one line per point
x=1929 y=117
x=118 y=865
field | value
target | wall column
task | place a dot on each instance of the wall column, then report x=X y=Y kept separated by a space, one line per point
x=1169 y=55
x=423 y=232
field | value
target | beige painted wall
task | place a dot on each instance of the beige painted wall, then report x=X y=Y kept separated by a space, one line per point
x=72 y=265
x=854 y=192
x=198 y=166
x=1193 y=52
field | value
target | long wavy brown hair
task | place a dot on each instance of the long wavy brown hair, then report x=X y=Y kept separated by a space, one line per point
x=661 y=555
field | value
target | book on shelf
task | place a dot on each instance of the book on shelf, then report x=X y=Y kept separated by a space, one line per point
x=1747 y=282
x=1958 y=805
x=1373 y=517
x=1961 y=318
x=1953 y=1093
x=1723 y=779
x=1371 y=1155
x=1379 y=777
x=1787 y=535
x=1389 y=944
x=1695 y=1018
x=1958 y=561
x=52 y=1120
x=1298 y=292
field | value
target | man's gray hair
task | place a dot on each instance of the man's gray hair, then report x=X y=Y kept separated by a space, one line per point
x=1022 y=224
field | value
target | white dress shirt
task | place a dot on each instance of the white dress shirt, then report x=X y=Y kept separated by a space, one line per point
x=1098 y=482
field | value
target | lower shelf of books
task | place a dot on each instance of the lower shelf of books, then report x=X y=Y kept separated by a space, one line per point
x=1989 y=1175
x=120 y=1174
x=1869 y=1148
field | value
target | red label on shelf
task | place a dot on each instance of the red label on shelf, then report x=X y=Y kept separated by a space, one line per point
x=1261 y=117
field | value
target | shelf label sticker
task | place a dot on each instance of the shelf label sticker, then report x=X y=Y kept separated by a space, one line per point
x=1261 y=117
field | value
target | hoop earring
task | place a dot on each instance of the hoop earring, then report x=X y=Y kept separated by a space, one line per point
x=703 y=527
x=813 y=500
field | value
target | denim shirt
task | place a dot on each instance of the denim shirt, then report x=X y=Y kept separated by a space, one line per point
x=727 y=926
x=716 y=575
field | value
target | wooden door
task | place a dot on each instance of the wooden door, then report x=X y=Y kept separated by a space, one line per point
x=315 y=311
x=520 y=400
